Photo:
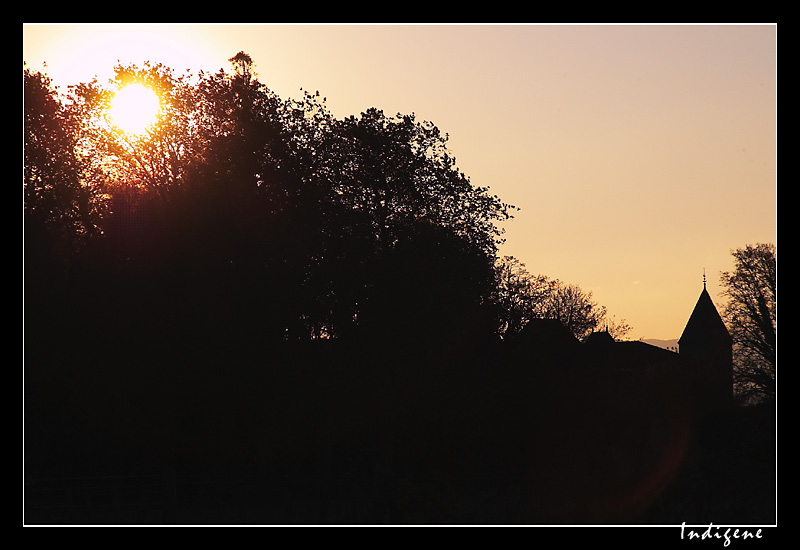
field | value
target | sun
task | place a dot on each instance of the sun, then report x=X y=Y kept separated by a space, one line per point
x=134 y=108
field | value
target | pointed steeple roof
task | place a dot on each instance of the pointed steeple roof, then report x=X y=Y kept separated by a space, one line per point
x=705 y=322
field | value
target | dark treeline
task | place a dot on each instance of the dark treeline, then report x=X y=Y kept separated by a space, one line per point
x=256 y=290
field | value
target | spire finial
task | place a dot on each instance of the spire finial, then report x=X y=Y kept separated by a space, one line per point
x=704 y=278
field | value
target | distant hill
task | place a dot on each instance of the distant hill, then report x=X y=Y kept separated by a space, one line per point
x=666 y=344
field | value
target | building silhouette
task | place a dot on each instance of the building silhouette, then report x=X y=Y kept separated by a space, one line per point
x=703 y=362
x=706 y=349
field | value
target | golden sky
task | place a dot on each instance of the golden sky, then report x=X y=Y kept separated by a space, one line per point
x=638 y=154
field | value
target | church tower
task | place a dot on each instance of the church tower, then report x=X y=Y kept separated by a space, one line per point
x=706 y=349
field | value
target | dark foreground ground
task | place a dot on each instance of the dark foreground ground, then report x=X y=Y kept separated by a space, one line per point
x=316 y=435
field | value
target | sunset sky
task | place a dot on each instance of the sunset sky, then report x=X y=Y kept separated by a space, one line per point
x=638 y=154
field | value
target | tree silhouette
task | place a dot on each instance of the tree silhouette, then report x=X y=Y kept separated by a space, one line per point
x=61 y=199
x=617 y=329
x=750 y=315
x=522 y=296
x=243 y=66
x=157 y=159
x=63 y=214
x=279 y=216
x=575 y=308
x=395 y=168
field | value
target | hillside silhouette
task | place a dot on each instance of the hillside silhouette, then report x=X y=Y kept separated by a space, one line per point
x=260 y=314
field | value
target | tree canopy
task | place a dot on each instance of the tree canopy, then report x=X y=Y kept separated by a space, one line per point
x=267 y=214
x=63 y=202
x=751 y=317
x=246 y=214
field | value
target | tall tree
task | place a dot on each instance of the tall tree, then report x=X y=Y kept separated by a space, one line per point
x=751 y=317
x=63 y=214
x=369 y=185
x=278 y=211
x=62 y=202
x=397 y=169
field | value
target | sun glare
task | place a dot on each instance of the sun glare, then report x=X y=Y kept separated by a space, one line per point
x=134 y=108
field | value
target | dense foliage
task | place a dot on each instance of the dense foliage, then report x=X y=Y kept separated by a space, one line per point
x=751 y=317
x=269 y=216
x=272 y=217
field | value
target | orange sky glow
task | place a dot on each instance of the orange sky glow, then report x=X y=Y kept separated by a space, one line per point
x=638 y=154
